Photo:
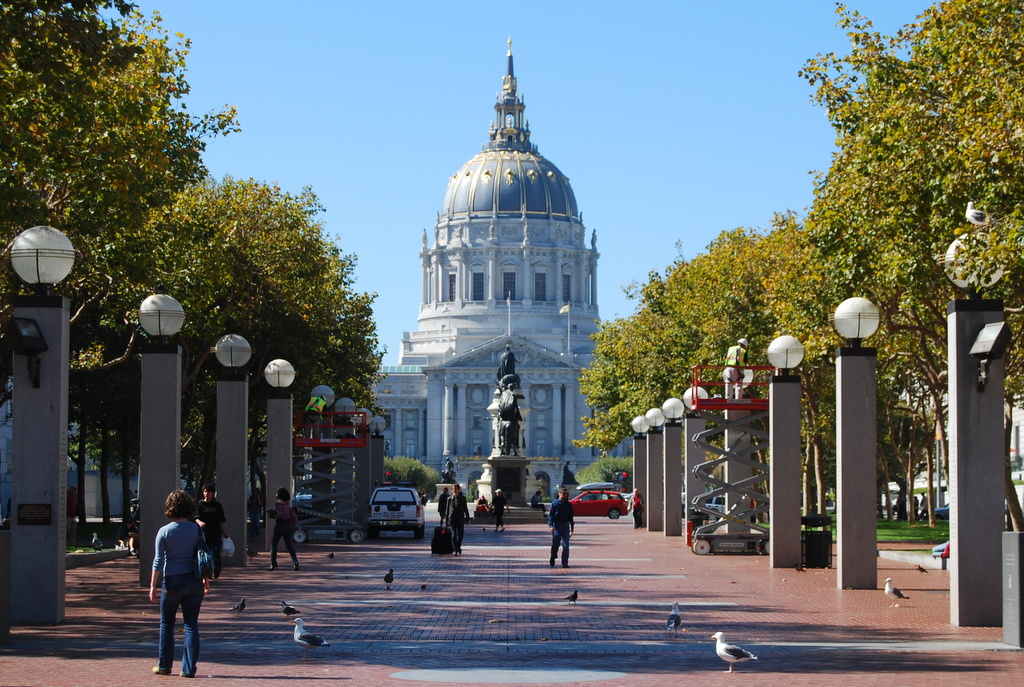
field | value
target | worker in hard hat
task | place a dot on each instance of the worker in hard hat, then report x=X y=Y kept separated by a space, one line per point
x=735 y=361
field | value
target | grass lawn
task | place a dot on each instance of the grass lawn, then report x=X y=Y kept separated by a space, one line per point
x=902 y=531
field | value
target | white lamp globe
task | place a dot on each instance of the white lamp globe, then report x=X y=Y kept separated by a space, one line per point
x=161 y=315
x=953 y=264
x=856 y=319
x=785 y=352
x=673 y=409
x=655 y=418
x=279 y=373
x=378 y=424
x=42 y=255
x=366 y=416
x=344 y=405
x=639 y=424
x=688 y=396
x=232 y=350
x=325 y=392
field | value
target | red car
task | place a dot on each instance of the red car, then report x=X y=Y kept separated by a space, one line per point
x=603 y=504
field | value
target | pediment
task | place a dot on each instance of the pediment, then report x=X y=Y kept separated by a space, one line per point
x=529 y=355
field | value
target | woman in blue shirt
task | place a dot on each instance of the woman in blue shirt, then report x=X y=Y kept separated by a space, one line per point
x=175 y=562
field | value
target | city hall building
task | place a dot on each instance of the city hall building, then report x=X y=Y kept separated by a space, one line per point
x=509 y=261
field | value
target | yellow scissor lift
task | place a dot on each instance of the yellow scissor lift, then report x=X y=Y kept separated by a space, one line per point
x=325 y=465
x=743 y=501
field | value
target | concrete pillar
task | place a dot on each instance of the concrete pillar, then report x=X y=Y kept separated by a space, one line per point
x=280 y=447
x=976 y=455
x=672 y=469
x=640 y=464
x=39 y=467
x=784 y=445
x=159 y=446
x=693 y=425
x=733 y=471
x=365 y=481
x=655 y=494
x=233 y=457
x=376 y=446
x=447 y=420
x=856 y=470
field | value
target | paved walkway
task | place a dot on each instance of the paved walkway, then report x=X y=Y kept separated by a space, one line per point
x=497 y=615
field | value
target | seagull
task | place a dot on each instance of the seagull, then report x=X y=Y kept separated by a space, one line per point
x=674 y=621
x=572 y=597
x=922 y=570
x=730 y=653
x=893 y=593
x=238 y=607
x=288 y=610
x=974 y=216
x=307 y=640
x=97 y=543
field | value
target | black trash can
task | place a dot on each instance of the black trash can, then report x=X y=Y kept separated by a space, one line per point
x=816 y=541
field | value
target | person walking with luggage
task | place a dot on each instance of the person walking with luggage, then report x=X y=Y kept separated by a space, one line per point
x=562 y=525
x=284 y=526
x=175 y=561
x=498 y=504
x=442 y=503
x=636 y=504
x=457 y=516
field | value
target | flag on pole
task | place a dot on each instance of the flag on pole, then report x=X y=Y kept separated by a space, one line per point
x=447 y=308
x=508 y=299
x=564 y=309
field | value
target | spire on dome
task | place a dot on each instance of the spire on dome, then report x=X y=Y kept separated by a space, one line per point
x=511 y=130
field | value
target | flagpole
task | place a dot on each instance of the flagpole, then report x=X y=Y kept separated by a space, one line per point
x=508 y=303
x=568 y=330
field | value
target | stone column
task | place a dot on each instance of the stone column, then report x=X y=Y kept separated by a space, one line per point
x=655 y=480
x=39 y=467
x=365 y=482
x=976 y=470
x=159 y=446
x=446 y=420
x=376 y=444
x=673 y=471
x=856 y=468
x=232 y=457
x=280 y=465
x=640 y=463
x=784 y=445
x=693 y=425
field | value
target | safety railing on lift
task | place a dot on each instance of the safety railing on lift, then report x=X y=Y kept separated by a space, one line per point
x=711 y=391
x=331 y=429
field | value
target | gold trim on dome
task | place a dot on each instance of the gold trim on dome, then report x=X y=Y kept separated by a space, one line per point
x=510 y=176
x=531 y=174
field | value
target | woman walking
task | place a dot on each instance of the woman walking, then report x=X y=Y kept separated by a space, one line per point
x=175 y=562
x=284 y=526
x=636 y=504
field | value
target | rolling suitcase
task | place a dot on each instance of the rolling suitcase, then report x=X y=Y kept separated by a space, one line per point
x=441 y=542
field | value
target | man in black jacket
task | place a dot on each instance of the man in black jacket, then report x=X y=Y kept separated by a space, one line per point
x=457 y=515
x=562 y=525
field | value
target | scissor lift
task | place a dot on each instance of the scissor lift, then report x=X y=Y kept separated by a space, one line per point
x=743 y=501
x=325 y=445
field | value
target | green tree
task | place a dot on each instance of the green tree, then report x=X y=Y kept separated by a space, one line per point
x=405 y=469
x=608 y=469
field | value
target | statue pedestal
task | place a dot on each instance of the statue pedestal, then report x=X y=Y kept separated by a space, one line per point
x=508 y=473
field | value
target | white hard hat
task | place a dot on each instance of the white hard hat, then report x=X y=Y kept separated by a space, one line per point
x=497 y=491
x=742 y=342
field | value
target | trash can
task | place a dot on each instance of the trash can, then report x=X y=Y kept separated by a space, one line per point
x=816 y=541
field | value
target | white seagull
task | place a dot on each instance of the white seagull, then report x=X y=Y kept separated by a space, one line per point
x=730 y=653
x=307 y=640
x=674 y=621
x=974 y=216
x=893 y=593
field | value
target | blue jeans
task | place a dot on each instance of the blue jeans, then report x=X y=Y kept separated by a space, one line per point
x=215 y=541
x=185 y=591
x=560 y=536
x=458 y=534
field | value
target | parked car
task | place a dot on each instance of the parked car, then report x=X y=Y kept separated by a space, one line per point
x=395 y=509
x=605 y=504
x=941 y=551
x=942 y=513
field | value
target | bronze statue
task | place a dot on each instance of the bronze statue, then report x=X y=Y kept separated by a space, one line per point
x=507 y=364
x=509 y=416
x=448 y=474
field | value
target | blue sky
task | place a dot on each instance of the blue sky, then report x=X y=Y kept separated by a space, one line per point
x=674 y=121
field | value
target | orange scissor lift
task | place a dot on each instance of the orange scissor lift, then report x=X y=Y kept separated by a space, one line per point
x=743 y=501
x=325 y=463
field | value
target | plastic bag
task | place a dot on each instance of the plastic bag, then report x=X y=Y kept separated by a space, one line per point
x=227 y=547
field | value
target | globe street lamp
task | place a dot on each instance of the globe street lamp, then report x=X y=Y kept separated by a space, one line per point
x=161 y=317
x=856 y=529
x=672 y=467
x=655 y=470
x=233 y=352
x=785 y=353
x=785 y=548
x=39 y=334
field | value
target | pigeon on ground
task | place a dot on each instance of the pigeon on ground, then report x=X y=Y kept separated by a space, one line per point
x=730 y=653
x=389 y=577
x=674 y=621
x=238 y=607
x=799 y=567
x=288 y=610
x=307 y=640
x=975 y=216
x=922 y=570
x=250 y=553
x=330 y=555
x=893 y=593
x=97 y=543
x=572 y=597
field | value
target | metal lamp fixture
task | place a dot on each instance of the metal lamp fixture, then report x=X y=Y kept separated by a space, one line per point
x=673 y=409
x=639 y=424
x=160 y=315
x=856 y=319
x=279 y=373
x=785 y=353
x=42 y=256
x=232 y=350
